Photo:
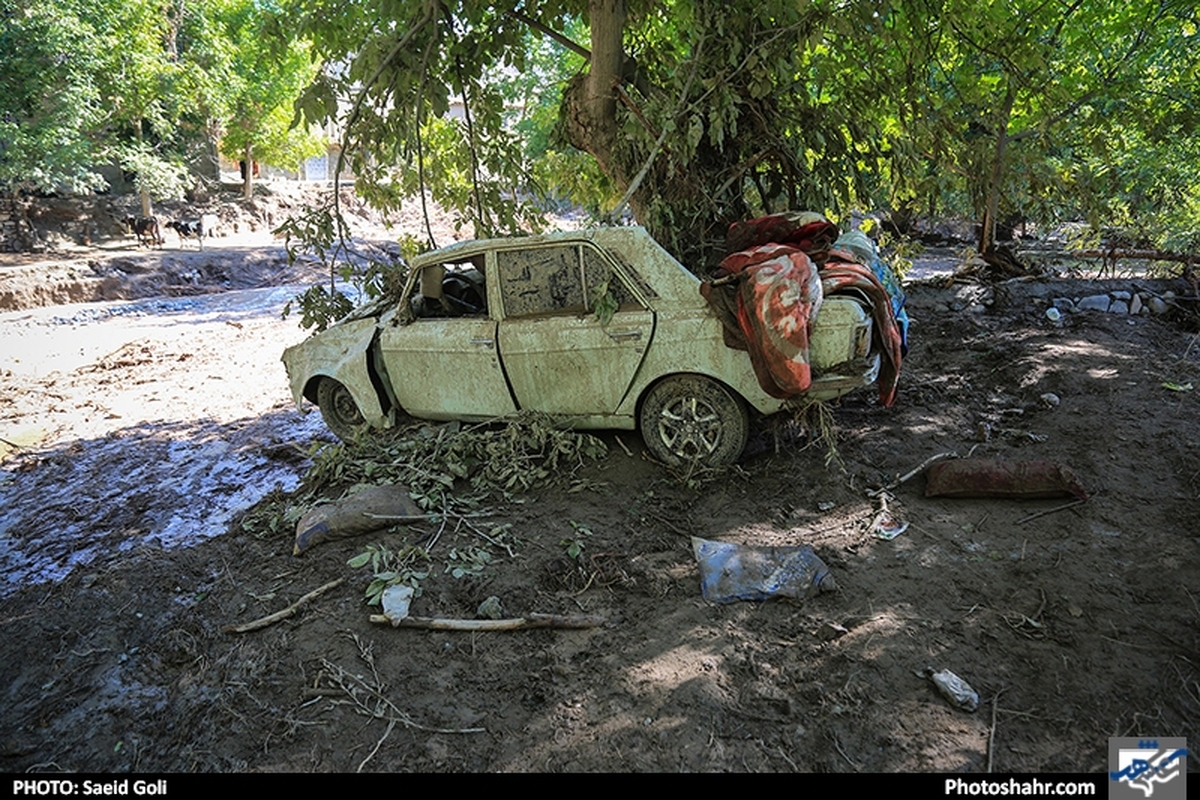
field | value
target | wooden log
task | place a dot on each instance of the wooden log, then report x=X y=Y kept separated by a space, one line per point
x=271 y=619
x=518 y=623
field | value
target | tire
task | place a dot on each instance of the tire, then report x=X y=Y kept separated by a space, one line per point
x=690 y=419
x=338 y=409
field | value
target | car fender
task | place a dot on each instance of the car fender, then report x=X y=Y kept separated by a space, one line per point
x=692 y=343
x=343 y=353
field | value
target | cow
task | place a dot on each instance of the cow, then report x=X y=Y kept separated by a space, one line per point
x=200 y=228
x=146 y=229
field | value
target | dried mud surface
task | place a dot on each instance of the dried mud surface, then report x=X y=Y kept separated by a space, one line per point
x=124 y=559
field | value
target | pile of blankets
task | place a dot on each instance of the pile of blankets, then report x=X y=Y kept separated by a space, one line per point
x=769 y=289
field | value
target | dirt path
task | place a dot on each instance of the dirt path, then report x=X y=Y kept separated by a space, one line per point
x=148 y=425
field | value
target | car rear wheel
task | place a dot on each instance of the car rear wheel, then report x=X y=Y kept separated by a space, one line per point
x=338 y=409
x=691 y=419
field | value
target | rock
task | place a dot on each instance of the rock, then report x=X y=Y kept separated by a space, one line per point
x=1050 y=400
x=1135 y=304
x=830 y=631
x=490 y=609
x=1119 y=307
x=1095 y=302
x=1157 y=305
x=1064 y=304
x=1121 y=296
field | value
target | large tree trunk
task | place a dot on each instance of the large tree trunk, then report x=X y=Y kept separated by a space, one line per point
x=143 y=193
x=213 y=150
x=590 y=116
x=680 y=204
x=248 y=178
x=591 y=99
x=987 y=233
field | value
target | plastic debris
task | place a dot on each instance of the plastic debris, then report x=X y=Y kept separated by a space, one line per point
x=396 y=600
x=954 y=689
x=886 y=524
x=731 y=572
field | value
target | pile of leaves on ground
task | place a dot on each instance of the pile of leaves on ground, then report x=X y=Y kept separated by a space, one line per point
x=450 y=471
x=447 y=467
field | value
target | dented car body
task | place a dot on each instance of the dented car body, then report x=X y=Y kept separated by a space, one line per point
x=599 y=329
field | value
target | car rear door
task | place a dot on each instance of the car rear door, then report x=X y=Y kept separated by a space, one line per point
x=560 y=355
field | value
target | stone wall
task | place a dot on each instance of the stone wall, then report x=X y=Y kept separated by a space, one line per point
x=16 y=236
x=1134 y=301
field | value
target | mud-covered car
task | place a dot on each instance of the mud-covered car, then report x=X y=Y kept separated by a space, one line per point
x=598 y=328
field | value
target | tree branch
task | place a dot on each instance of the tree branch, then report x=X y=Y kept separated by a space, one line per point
x=561 y=38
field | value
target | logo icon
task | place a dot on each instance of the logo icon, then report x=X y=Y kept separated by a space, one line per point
x=1140 y=769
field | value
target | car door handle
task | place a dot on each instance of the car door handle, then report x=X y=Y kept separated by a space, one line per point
x=625 y=335
x=489 y=343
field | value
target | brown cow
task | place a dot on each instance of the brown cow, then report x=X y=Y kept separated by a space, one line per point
x=146 y=229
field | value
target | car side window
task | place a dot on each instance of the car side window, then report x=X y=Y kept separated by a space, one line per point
x=542 y=281
x=557 y=280
x=598 y=273
x=453 y=289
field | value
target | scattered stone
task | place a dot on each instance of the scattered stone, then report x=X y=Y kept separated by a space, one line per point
x=1050 y=400
x=1120 y=295
x=1119 y=307
x=1095 y=302
x=1064 y=304
x=830 y=631
x=490 y=609
x=1135 y=305
x=1157 y=305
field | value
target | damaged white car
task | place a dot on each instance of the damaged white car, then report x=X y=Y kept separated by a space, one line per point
x=598 y=328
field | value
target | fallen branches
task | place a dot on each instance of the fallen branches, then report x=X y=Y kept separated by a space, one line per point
x=992 y=732
x=368 y=698
x=1054 y=510
x=271 y=619
x=1141 y=255
x=517 y=623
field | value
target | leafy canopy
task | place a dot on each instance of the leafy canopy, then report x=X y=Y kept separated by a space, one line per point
x=713 y=111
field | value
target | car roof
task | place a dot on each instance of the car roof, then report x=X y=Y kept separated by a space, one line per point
x=472 y=247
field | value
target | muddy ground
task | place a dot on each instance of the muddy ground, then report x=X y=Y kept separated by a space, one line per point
x=138 y=432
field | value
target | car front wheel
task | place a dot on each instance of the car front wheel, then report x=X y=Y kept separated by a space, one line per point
x=691 y=419
x=338 y=409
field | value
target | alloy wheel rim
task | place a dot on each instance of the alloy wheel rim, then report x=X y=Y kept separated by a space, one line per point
x=689 y=427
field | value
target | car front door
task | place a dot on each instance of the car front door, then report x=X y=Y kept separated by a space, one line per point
x=560 y=355
x=443 y=364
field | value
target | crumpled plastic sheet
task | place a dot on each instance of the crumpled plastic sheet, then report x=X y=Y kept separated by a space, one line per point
x=732 y=572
